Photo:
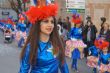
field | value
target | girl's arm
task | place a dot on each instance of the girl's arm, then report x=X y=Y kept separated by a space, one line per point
x=24 y=63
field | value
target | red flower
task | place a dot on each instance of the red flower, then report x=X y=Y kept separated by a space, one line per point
x=101 y=44
x=36 y=13
x=76 y=19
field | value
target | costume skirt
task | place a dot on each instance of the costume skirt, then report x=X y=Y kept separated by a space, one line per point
x=92 y=61
x=73 y=44
x=104 y=67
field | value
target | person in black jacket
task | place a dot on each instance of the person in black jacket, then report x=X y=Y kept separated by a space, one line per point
x=89 y=35
x=105 y=33
x=68 y=23
x=103 y=20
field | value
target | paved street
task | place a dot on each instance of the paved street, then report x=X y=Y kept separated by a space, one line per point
x=9 y=59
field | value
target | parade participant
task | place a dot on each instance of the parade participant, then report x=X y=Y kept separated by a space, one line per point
x=105 y=32
x=8 y=26
x=21 y=31
x=8 y=33
x=10 y=20
x=23 y=35
x=104 y=58
x=92 y=59
x=18 y=32
x=43 y=51
x=75 y=41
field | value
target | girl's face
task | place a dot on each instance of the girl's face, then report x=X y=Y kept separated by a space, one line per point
x=105 y=49
x=78 y=25
x=47 y=26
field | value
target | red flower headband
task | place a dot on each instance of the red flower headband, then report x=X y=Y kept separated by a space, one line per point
x=21 y=17
x=101 y=44
x=36 y=13
x=76 y=19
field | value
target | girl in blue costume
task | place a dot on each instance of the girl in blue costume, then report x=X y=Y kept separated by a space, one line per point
x=23 y=35
x=8 y=33
x=104 y=59
x=76 y=39
x=92 y=59
x=43 y=51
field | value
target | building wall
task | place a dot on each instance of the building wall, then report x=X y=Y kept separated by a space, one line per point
x=97 y=9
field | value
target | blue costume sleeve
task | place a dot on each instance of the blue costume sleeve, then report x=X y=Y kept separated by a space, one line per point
x=64 y=68
x=70 y=34
x=24 y=63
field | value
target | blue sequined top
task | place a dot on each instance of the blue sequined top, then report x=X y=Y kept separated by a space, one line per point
x=104 y=58
x=46 y=61
x=21 y=27
x=94 y=51
x=75 y=33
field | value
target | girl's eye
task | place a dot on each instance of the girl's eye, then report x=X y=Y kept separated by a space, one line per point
x=46 y=21
x=52 y=21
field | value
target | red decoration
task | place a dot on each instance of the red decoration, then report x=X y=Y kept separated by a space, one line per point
x=101 y=44
x=10 y=21
x=21 y=18
x=76 y=19
x=36 y=13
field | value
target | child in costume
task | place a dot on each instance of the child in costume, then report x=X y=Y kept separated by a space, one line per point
x=75 y=43
x=18 y=32
x=104 y=58
x=43 y=51
x=23 y=35
x=8 y=33
x=21 y=32
x=92 y=59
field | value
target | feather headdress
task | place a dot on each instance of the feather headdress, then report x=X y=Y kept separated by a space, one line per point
x=42 y=9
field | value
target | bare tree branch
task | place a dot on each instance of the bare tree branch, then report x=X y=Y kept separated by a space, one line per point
x=18 y=5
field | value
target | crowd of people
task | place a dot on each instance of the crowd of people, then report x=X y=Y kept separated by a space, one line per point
x=81 y=41
x=45 y=41
x=14 y=30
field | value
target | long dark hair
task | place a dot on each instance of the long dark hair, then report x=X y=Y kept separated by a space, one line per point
x=33 y=39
